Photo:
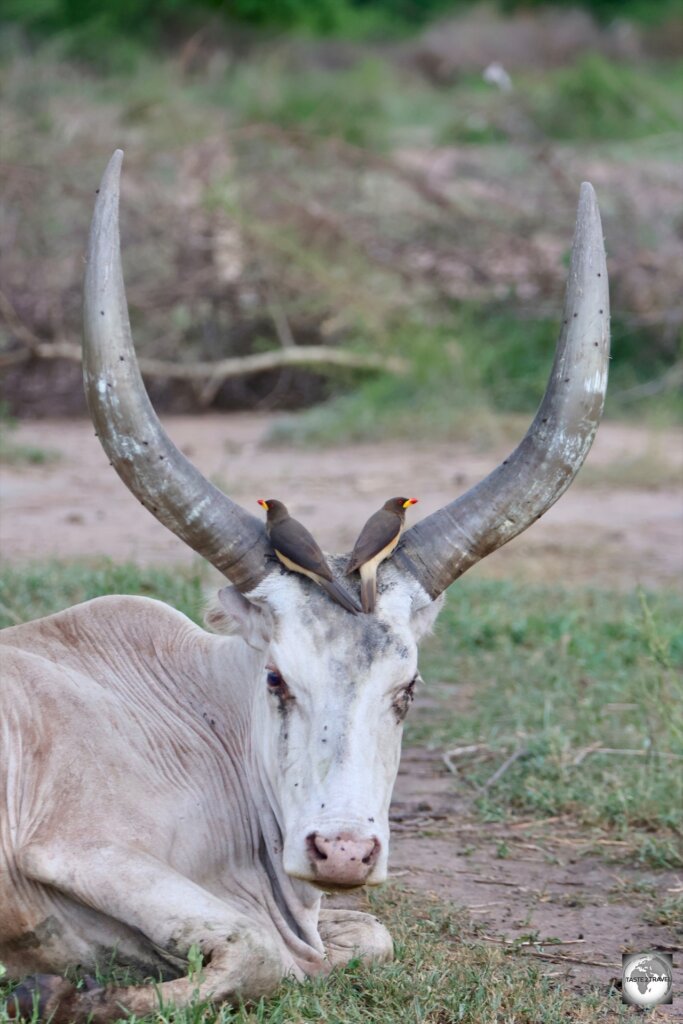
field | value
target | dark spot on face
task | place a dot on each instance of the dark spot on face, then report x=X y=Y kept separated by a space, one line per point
x=321 y=806
x=371 y=819
x=575 y=315
x=122 y=359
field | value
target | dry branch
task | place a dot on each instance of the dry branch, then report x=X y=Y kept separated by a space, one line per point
x=212 y=374
x=589 y=751
x=508 y=763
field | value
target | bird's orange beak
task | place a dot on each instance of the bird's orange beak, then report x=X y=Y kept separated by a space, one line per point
x=409 y=501
x=263 y=503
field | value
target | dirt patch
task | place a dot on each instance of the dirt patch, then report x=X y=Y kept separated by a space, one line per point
x=529 y=884
x=611 y=536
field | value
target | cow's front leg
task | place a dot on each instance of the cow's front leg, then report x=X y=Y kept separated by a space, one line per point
x=350 y=933
x=241 y=958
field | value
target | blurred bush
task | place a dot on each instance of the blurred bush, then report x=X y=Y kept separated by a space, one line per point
x=151 y=20
x=275 y=199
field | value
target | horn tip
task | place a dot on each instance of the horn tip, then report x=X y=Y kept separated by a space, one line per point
x=112 y=174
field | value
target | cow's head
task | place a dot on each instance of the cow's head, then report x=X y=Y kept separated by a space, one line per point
x=330 y=700
x=334 y=687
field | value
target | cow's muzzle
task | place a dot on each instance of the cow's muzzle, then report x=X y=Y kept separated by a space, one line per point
x=343 y=859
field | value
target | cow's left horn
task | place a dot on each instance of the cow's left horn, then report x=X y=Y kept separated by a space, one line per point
x=442 y=547
x=144 y=457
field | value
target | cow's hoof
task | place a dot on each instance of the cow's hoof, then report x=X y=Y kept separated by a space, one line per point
x=38 y=997
x=350 y=933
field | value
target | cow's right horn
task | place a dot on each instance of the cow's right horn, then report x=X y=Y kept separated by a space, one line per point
x=145 y=458
x=443 y=546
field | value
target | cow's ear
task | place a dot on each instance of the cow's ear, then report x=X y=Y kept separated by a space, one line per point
x=232 y=613
x=424 y=617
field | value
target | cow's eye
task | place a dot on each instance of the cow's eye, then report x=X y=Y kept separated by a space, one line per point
x=274 y=680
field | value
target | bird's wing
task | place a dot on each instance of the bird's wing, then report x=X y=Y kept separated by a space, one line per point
x=297 y=544
x=377 y=534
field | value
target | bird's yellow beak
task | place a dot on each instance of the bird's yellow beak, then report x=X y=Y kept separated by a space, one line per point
x=263 y=503
x=409 y=501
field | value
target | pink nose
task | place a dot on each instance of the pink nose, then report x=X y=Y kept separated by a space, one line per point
x=342 y=859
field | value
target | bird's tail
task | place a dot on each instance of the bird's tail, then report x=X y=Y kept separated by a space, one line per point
x=338 y=594
x=368 y=589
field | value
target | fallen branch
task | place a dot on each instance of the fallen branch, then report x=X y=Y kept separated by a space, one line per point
x=223 y=369
x=563 y=958
x=507 y=764
x=457 y=752
x=517 y=944
x=212 y=374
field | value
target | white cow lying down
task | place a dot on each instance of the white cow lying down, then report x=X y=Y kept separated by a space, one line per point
x=162 y=787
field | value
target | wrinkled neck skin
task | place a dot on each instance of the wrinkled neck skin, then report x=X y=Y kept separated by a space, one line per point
x=325 y=747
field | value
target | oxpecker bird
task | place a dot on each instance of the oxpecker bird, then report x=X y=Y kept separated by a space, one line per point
x=299 y=552
x=377 y=540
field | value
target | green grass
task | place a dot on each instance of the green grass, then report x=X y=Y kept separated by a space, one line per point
x=441 y=974
x=29 y=593
x=552 y=672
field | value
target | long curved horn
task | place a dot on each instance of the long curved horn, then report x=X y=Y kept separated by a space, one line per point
x=443 y=546
x=143 y=455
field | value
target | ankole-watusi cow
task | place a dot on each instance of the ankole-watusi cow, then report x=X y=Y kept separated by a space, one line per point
x=162 y=787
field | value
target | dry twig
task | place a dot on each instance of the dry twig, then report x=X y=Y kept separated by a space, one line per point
x=588 y=751
x=507 y=764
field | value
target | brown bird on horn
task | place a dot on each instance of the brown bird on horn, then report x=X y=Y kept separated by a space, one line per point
x=299 y=552
x=376 y=541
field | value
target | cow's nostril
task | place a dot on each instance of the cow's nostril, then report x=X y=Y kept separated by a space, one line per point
x=371 y=857
x=314 y=851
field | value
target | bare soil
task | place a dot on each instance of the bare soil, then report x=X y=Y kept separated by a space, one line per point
x=549 y=881
x=536 y=878
x=629 y=531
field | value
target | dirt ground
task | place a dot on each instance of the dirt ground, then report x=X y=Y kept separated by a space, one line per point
x=625 y=530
